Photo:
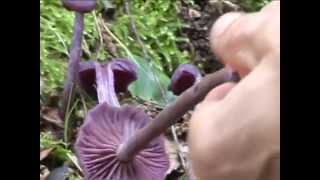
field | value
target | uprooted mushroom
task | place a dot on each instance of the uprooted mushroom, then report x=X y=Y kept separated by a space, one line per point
x=121 y=142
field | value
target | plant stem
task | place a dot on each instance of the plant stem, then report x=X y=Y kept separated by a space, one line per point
x=134 y=29
x=118 y=41
x=173 y=112
x=74 y=60
x=99 y=34
x=67 y=123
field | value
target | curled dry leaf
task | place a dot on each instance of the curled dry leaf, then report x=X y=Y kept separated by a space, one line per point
x=44 y=153
x=194 y=13
x=172 y=151
x=184 y=77
x=51 y=115
x=44 y=172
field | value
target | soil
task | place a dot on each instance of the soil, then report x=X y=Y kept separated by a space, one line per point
x=200 y=18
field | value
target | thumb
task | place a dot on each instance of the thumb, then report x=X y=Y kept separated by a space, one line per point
x=219 y=92
x=242 y=40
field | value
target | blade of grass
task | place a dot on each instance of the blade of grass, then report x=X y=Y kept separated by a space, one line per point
x=67 y=122
x=74 y=161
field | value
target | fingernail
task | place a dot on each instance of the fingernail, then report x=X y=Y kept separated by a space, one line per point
x=224 y=22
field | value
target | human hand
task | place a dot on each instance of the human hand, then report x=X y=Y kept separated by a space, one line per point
x=235 y=131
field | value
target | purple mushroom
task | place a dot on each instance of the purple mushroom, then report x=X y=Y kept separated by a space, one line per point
x=174 y=111
x=121 y=143
x=107 y=128
x=124 y=74
x=183 y=78
x=80 y=7
x=87 y=77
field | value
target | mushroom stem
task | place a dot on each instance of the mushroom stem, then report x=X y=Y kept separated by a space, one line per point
x=173 y=112
x=105 y=85
x=74 y=60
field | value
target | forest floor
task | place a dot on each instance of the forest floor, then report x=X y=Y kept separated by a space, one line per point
x=56 y=157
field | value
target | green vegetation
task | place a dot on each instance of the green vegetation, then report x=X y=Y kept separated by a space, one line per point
x=253 y=5
x=157 y=25
x=55 y=34
x=59 y=151
x=158 y=33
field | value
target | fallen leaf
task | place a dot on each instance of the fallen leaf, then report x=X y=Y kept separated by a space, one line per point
x=194 y=13
x=51 y=115
x=172 y=151
x=44 y=172
x=45 y=153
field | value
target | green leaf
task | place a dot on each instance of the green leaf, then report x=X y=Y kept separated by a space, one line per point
x=147 y=86
x=48 y=141
x=107 y=4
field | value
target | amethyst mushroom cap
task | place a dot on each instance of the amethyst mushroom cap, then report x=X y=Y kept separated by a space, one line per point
x=87 y=76
x=82 y=6
x=124 y=74
x=185 y=76
x=105 y=129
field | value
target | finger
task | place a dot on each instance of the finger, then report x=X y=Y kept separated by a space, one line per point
x=241 y=40
x=219 y=92
x=272 y=6
x=230 y=40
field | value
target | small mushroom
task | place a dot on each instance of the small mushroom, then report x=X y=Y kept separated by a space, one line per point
x=107 y=128
x=124 y=73
x=87 y=76
x=82 y=6
x=185 y=76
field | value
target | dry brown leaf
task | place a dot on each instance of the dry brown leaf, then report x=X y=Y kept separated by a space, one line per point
x=44 y=172
x=172 y=151
x=194 y=13
x=44 y=153
x=51 y=115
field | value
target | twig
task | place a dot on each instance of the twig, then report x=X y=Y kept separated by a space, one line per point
x=74 y=160
x=84 y=105
x=134 y=29
x=231 y=4
x=99 y=33
x=86 y=47
x=226 y=2
x=129 y=54
x=116 y=39
x=175 y=138
x=51 y=120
